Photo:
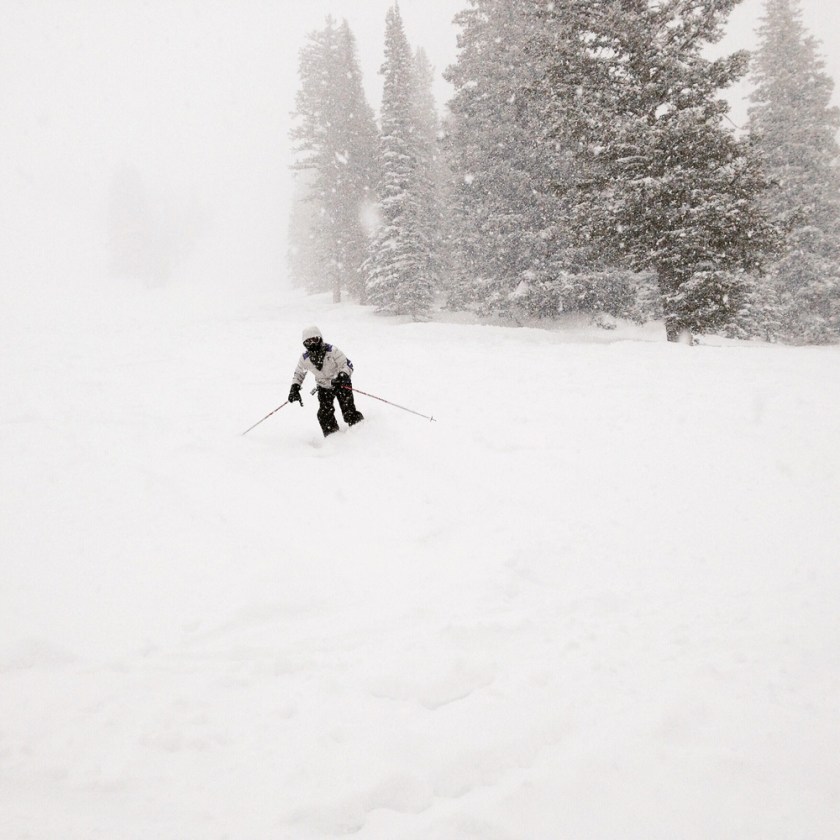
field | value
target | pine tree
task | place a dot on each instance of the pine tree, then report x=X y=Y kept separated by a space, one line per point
x=398 y=268
x=431 y=174
x=569 y=104
x=589 y=139
x=335 y=137
x=795 y=126
x=362 y=165
x=683 y=192
x=525 y=123
x=487 y=138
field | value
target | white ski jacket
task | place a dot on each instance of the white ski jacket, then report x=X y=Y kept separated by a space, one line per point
x=335 y=362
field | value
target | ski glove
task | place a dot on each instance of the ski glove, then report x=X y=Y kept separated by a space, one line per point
x=294 y=394
x=342 y=380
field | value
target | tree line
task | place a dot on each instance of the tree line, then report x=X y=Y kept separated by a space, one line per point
x=585 y=163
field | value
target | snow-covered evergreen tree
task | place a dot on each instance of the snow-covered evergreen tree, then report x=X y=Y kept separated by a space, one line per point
x=520 y=143
x=758 y=314
x=568 y=105
x=795 y=126
x=587 y=140
x=398 y=269
x=335 y=137
x=432 y=175
x=488 y=135
x=683 y=192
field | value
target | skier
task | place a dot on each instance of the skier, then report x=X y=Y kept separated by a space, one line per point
x=332 y=371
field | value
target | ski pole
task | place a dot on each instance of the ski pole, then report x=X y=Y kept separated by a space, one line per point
x=266 y=417
x=410 y=411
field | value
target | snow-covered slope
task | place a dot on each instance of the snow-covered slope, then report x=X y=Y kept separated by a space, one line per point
x=596 y=599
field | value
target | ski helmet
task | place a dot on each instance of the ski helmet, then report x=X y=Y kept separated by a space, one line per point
x=311 y=332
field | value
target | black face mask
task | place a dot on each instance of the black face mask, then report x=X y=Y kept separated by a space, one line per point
x=317 y=352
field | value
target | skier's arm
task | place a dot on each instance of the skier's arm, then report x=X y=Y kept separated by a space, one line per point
x=344 y=364
x=300 y=373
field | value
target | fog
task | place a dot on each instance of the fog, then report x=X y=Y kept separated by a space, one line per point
x=148 y=141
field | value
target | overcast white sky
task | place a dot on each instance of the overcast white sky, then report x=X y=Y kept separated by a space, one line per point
x=193 y=96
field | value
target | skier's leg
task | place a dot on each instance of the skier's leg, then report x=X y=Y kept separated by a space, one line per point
x=326 y=411
x=349 y=411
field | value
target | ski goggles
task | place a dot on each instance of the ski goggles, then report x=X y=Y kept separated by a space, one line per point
x=311 y=343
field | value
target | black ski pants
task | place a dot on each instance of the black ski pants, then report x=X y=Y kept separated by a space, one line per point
x=326 y=408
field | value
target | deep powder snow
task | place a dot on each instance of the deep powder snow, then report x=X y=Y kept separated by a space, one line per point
x=596 y=599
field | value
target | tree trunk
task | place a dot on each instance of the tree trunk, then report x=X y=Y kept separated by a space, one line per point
x=675 y=329
x=678 y=332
